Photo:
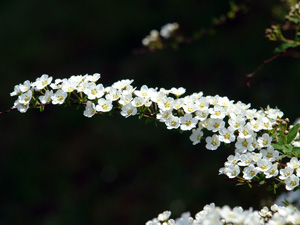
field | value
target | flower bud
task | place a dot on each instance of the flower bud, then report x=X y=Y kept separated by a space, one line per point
x=286 y=132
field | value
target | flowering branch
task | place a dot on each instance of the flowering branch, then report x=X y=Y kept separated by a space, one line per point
x=212 y=214
x=265 y=147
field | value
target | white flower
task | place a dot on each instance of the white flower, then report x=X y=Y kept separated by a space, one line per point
x=245 y=132
x=138 y=102
x=125 y=99
x=232 y=171
x=93 y=78
x=212 y=143
x=189 y=107
x=270 y=153
x=172 y=122
x=201 y=114
x=264 y=164
x=90 y=109
x=291 y=182
x=164 y=116
x=56 y=84
x=120 y=85
x=178 y=91
x=236 y=121
x=196 y=136
x=113 y=94
x=256 y=125
x=226 y=135
x=153 y=37
x=265 y=140
x=68 y=85
x=25 y=86
x=235 y=216
x=244 y=144
x=178 y=103
x=144 y=92
x=267 y=124
x=218 y=112
x=264 y=212
x=168 y=29
x=59 y=97
x=250 y=172
x=25 y=97
x=233 y=159
x=215 y=124
x=21 y=107
x=166 y=103
x=128 y=110
x=285 y=173
x=246 y=159
x=94 y=91
x=164 y=216
x=42 y=82
x=272 y=172
x=104 y=105
x=46 y=98
x=16 y=91
x=203 y=103
x=188 y=122
x=294 y=163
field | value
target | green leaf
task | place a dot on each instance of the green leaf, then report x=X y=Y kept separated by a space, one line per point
x=281 y=139
x=285 y=46
x=292 y=133
x=141 y=115
x=270 y=188
x=296 y=151
x=277 y=146
x=239 y=184
x=275 y=135
x=249 y=185
x=262 y=182
x=287 y=148
x=149 y=120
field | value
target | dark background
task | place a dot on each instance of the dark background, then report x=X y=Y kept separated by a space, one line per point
x=59 y=167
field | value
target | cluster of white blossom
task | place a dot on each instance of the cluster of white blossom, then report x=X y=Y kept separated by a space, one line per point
x=166 y=32
x=212 y=215
x=261 y=157
x=221 y=119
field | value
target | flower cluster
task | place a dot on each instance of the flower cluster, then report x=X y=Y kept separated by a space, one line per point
x=261 y=137
x=154 y=39
x=236 y=216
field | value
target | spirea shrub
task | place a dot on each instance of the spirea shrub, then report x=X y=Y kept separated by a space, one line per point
x=266 y=148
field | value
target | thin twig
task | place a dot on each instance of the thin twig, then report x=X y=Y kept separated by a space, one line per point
x=250 y=75
x=8 y=111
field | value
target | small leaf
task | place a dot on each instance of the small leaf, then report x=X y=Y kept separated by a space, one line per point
x=287 y=148
x=270 y=188
x=275 y=135
x=296 y=151
x=292 y=133
x=141 y=115
x=149 y=120
x=285 y=46
x=281 y=139
x=239 y=184
x=277 y=147
x=249 y=185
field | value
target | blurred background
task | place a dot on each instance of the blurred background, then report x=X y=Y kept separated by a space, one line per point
x=59 y=167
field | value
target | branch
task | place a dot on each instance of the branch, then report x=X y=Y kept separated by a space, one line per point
x=251 y=75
